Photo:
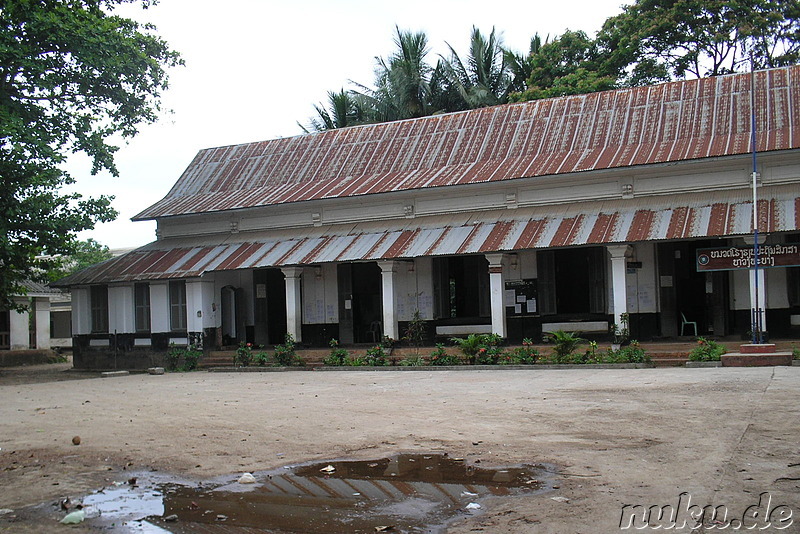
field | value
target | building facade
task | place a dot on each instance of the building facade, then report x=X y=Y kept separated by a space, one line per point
x=519 y=219
x=45 y=323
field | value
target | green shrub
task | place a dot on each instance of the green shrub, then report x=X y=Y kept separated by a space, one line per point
x=261 y=358
x=415 y=331
x=356 y=361
x=173 y=357
x=191 y=356
x=182 y=358
x=489 y=355
x=439 y=356
x=285 y=355
x=634 y=353
x=565 y=345
x=413 y=361
x=706 y=351
x=524 y=355
x=795 y=353
x=375 y=356
x=338 y=355
x=244 y=355
x=482 y=349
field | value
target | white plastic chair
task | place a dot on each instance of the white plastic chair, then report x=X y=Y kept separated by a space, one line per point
x=375 y=331
x=684 y=323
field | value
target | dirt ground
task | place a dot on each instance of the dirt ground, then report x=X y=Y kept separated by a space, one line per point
x=617 y=437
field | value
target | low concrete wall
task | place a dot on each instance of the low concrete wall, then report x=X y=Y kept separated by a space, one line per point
x=13 y=358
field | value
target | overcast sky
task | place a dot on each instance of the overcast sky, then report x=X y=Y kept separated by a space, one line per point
x=254 y=68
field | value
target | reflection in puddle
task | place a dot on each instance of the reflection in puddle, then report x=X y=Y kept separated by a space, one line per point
x=404 y=493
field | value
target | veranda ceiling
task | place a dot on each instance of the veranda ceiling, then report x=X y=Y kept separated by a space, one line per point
x=590 y=223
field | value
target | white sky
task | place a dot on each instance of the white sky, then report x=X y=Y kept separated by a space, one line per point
x=254 y=68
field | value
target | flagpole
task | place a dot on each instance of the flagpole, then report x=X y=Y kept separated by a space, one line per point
x=755 y=326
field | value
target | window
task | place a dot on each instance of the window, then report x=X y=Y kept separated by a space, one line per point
x=177 y=305
x=98 y=296
x=141 y=303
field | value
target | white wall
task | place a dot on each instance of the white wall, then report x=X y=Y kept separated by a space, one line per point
x=19 y=326
x=159 y=307
x=642 y=283
x=121 y=309
x=320 y=294
x=414 y=289
x=200 y=305
x=81 y=311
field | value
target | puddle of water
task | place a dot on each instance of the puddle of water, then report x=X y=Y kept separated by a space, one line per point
x=411 y=493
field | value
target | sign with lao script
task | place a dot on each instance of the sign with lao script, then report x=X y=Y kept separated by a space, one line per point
x=731 y=258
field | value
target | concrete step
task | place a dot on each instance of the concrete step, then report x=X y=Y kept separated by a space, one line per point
x=739 y=359
x=761 y=348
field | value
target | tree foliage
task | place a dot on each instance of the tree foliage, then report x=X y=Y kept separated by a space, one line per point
x=85 y=254
x=74 y=78
x=651 y=41
x=570 y=64
x=484 y=78
x=673 y=39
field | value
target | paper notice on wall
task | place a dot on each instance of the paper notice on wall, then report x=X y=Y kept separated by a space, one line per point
x=530 y=306
x=521 y=299
x=510 y=297
x=517 y=308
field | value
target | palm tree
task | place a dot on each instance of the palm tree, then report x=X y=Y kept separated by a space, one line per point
x=402 y=81
x=520 y=66
x=344 y=109
x=483 y=79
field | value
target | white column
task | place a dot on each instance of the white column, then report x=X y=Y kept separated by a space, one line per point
x=81 y=311
x=121 y=309
x=619 y=285
x=388 y=276
x=762 y=295
x=497 y=292
x=19 y=326
x=294 y=302
x=42 y=309
x=199 y=309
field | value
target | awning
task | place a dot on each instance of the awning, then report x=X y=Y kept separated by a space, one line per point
x=591 y=223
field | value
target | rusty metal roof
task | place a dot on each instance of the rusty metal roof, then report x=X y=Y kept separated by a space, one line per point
x=674 y=121
x=589 y=223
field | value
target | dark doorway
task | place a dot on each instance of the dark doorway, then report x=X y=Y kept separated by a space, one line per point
x=572 y=282
x=461 y=286
x=689 y=296
x=228 y=305
x=360 y=308
x=270 y=308
x=5 y=330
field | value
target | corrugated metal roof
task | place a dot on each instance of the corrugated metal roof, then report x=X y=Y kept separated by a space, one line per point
x=619 y=221
x=670 y=122
x=37 y=289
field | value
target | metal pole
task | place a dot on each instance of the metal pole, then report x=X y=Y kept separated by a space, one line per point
x=755 y=327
